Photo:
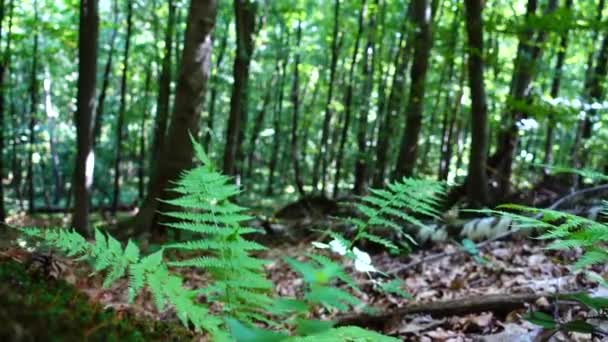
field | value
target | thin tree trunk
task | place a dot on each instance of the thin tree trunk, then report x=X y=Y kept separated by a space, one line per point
x=244 y=11
x=369 y=61
x=122 y=109
x=276 y=140
x=214 y=88
x=393 y=106
x=321 y=159
x=4 y=66
x=162 y=100
x=477 y=179
x=178 y=151
x=555 y=85
x=348 y=100
x=422 y=47
x=452 y=128
x=258 y=122
x=33 y=110
x=85 y=104
x=51 y=115
x=295 y=101
x=528 y=53
x=142 y=135
x=105 y=80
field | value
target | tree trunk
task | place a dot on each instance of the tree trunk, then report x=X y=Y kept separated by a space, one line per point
x=162 y=100
x=393 y=108
x=216 y=80
x=32 y=122
x=276 y=139
x=51 y=116
x=142 y=135
x=106 y=80
x=555 y=85
x=477 y=179
x=528 y=53
x=321 y=159
x=369 y=60
x=122 y=110
x=178 y=151
x=295 y=101
x=4 y=66
x=423 y=41
x=258 y=123
x=348 y=99
x=85 y=104
x=244 y=11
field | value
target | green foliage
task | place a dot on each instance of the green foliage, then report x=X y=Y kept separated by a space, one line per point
x=400 y=202
x=569 y=231
x=237 y=282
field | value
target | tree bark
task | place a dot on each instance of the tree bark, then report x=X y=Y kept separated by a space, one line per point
x=348 y=99
x=4 y=66
x=162 y=100
x=321 y=159
x=528 y=53
x=244 y=11
x=123 y=108
x=33 y=109
x=106 y=80
x=555 y=85
x=422 y=47
x=386 y=128
x=85 y=104
x=295 y=101
x=216 y=80
x=276 y=139
x=51 y=116
x=192 y=84
x=477 y=179
x=369 y=61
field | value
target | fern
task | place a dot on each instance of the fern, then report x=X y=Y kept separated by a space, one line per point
x=238 y=282
x=238 y=279
x=399 y=203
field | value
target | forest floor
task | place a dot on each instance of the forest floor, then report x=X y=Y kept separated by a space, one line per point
x=520 y=266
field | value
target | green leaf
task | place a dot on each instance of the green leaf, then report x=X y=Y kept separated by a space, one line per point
x=579 y=326
x=244 y=333
x=541 y=319
x=311 y=326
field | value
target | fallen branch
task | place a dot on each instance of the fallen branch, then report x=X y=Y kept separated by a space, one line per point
x=499 y=304
x=480 y=245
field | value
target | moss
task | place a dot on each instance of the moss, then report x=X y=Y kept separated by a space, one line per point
x=33 y=308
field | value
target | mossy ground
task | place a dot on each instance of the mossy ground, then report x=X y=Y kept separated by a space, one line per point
x=34 y=308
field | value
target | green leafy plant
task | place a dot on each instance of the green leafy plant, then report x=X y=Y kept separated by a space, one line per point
x=568 y=231
x=401 y=202
x=237 y=280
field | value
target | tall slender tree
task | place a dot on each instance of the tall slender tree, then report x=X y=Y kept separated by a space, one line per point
x=123 y=108
x=191 y=87
x=33 y=113
x=321 y=159
x=348 y=99
x=423 y=40
x=88 y=34
x=244 y=11
x=477 y=177
x=295 y=102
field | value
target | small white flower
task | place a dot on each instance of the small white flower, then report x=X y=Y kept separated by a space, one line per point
x=338 y=247
x=363 y=262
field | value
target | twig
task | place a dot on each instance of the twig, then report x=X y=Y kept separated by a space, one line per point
x=483 y=244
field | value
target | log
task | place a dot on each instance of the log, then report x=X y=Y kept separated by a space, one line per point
x=499 y=304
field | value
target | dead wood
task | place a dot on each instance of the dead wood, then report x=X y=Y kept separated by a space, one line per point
x=499 y=304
